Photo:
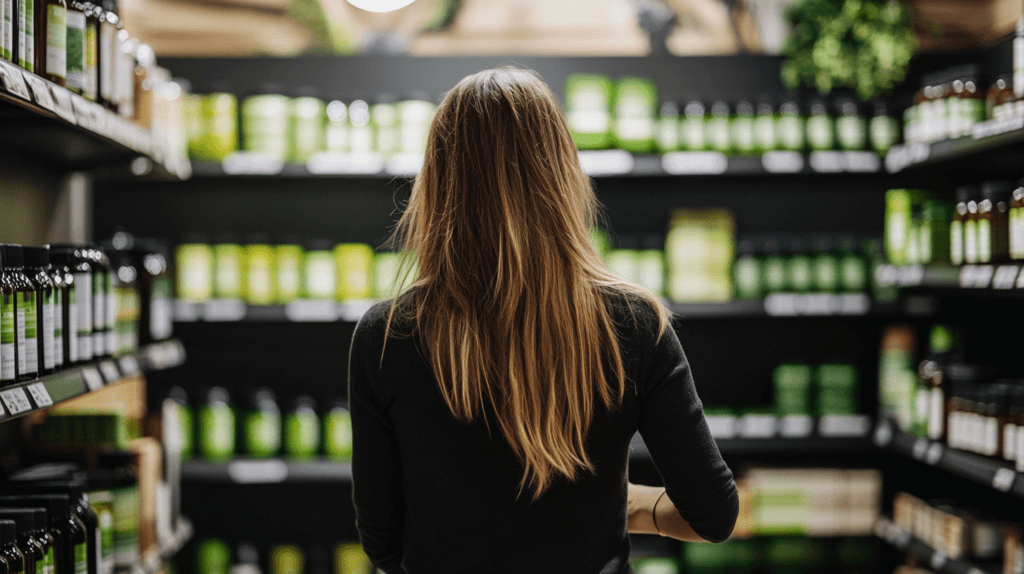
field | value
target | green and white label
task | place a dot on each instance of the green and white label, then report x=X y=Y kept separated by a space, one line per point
x=338 y=434
x=76 y=50
x=46 y=338
x=26 y=36
x=58 y=327
x=57 y=40
x=7 y=338
x=83 y=281
x=956 y=242
x=72 y=326
x=28 y=347
x=81 y=559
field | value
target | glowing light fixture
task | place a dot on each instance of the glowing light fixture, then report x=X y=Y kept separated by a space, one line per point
x=380 y=5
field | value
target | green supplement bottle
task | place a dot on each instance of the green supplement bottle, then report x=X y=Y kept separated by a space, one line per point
x=885 y=131
x=853 y=269
x=336 y=135
x=218 y=118
x=156 y=292
x=60 y=292
x=63 y=260
x=9 y=551
x=386 y=270
x=384 y=116
x=934 y=241
x=102 y=502
x=636 y=101
x=773 y=268
x=119 y=471
x=851 y=127
x=309 y=115
x=319 y=278
x=692 y=129
x=791 y=127
x=213 y=556
x=266 y=122
x=217 y=426
x=101 y=281
x=30 y=547
x=337 y=433
x=302 y=429
x=354 y=271
x=262 y=425
x=49 y=543
x=228 y=265
x=8 y=324
x=821 y=128
x=26 y=324
x=588 y=104
x=622 y=261
x=743 y=129
x=718 y=132
x=746 y=272
x=362 y=134
x=799 y=278
x=194 y=260
x=765 y=129
x=37 y=259
x=825 y=266
x=414 y=115
x=792 y=383
x=186 y=424
x=75 y=49
x=70 y=551
x=290 y=259
x=260 y=273
x=24 y=17
x=837 y=389
x=668 y=127
x=51 y=50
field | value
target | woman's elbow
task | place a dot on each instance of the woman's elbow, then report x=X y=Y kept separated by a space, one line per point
x=720 y=529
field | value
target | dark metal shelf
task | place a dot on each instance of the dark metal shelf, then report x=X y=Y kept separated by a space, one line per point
x=999 y=476
x=266 y=471
x=961 y=279
x=995 y=144
x=23 y=398
x=939 y=562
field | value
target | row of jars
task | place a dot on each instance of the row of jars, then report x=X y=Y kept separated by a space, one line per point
x=64 y=305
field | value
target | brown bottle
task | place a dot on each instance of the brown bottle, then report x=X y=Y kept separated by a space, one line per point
x=52 y=40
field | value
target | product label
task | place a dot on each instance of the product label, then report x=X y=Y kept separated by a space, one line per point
x=853 y=133
x=57 y=40
x=263 y=434
x=99 y=299
x=89 y=87
x=1016 y=245
x=691 y=134
x=40 y=567
x=76 y=50
x=984 y=241
x=6 y=29
x=49 y=562
x=924 y=242
x=126 y=526
x=26 y=36
x=970 y=241
x=718 y=134
x=217 y=432
x=854 y=274
x=764 y=132
x=883 y=133
x=81 y=559
x=338 y=434
x=820 y=133
x=302 y=434
x=743 y=134
x=28 y=328
x=7 y=338
x=1018 y=67
x=1010 y=442
x=110 y=319
x=791 y=132
x=58 y=327
x=936 y=413
x=990 y=444
x=47 y=339
x=160 y=311
x=956 y=242
x=74 y=351
x=107 y=32
x=1020 y=449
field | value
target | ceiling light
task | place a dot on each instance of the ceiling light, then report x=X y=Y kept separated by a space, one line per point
x=380 y=5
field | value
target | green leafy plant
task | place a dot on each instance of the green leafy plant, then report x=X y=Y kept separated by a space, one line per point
x=865 y=45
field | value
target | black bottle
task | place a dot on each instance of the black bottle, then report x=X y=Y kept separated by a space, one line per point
x=26 y=337
x=37 y=259
x=62 y=260
x=9 y=547
x=67 y=529
x=31 y=548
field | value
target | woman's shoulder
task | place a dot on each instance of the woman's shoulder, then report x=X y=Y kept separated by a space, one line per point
x=374 y=323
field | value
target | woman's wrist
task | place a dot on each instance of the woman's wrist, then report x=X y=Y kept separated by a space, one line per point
x=642 y=501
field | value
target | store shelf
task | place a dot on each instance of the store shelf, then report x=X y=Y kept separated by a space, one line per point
x=23 y=398
x=152 y=563
x=50 y=123
x=964 y=279
x=938 y=560
x=266 y=471
x=597 y=163
x=999 y=476
x=996 y=142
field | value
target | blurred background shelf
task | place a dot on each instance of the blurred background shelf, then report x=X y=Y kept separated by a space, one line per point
x=937 y=560
x=994 y=145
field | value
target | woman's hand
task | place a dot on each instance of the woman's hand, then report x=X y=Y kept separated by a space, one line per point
x=649 y=511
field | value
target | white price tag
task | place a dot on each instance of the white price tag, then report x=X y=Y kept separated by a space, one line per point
x=16 y=400
x=862 y=162
x=129 y=365
x=245 y=163
x=827 y=161
x=13 y=81
x=854 y=304
x=758 y=426
x=919 y=449
x=782 y=162
x=796 y=426
x=887 y=275
x=694 y=163
x=846 y=426
x=405 y=164
x=92 y=377
x=818 y=304
x=40 y=395
x=354 y=310
x=224 y=310
x=110 y=372
x=781 y=305
x=1005 y=277
x=1004 y=479
x=257 y=471
x=63 y=106
x=311 y=310
x=883 y=434
x=983 y=276
x=722 y=426
x=40 y=91
x=934 y=454
x=606 y=162
x=332 y=163
x=911 y=275
x=966 y=279
x=187 y=311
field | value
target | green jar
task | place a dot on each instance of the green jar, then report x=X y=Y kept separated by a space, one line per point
x=194 y=261
x=262 y=425
x=319 y=277
x=337 y=435
x=792 y=383
x=217 y=426
x=773 y=268
x=742 y=132
x=692 y=129
x=260 y=273
x=765 y=129
x=668 y=127
x=414 y=115
x=309 y=115
x=228 y=265
x=799 y=275
x=884 y=129
x=851 y=127
x=837 y=389
x=825 y=273
x=186 y=424
x=290 y=259
x=636 y=101
x=354 y=271
x=266 y=122
x=213 y=556
x=933 y=239
x=389 y=279
x=588 y=104
x=853 y=268
x=718 y=132
x=821 y=128
x=746 y=274
x=384 y=116
x=336 y=135
x=302 y=429
x=791 y=127
x=362 y=134
x=217 y=132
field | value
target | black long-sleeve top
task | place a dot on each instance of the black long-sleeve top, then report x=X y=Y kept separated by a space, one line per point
x=436 y=495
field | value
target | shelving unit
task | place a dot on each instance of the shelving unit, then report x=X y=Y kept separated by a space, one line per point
x=995 y=142
x=938 y=561
x=39 y=394
x=963 y=279
x=985 y=471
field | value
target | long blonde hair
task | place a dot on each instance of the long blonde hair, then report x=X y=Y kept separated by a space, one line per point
x=510 y=300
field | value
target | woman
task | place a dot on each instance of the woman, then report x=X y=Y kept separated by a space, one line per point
x=494 y=401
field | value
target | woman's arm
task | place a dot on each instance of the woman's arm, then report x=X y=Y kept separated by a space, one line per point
x=649 y=511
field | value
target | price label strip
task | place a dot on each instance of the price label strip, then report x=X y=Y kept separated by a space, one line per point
x=83 y=113
x=16 y=401
x=129 y=365
x=40 y=395
x=14 y=81
x=40 y=91
x=92 y=377
x=1004 y=479
x=64 y=108
x=258 y=471
x=110 y=372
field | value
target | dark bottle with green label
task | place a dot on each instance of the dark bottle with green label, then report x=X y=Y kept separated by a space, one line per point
x=821 y=132
x=851 y=127
x=186 y=422
x=62 y=259
x=58 y=511
x=82 y=269
x=60 y=291
x=337 y=434
x=37 y=259
x=213 y=556
x=9 y=547
x=262 y=425
x=853 y=269
x=42 y=534
x=26 y=327
x=825 y=266
x=773 y=267
x=216 y=426
x=31 y=549
x=302 y=429
x=746 y=271
x=798 y=267
x=8 y=326
x=791 y=127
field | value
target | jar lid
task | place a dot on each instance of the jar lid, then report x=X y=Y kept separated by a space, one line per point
x=695 y=108
x=720 y=109
x=303 y=402
x=216 y=395
x=744 y=108
x=668 y=109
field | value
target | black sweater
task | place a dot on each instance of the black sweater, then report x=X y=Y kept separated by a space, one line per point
x=435 y=495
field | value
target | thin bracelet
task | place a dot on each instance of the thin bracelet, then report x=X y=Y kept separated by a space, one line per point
x=654 y=512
